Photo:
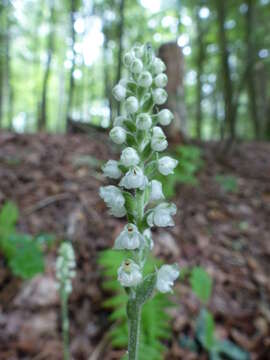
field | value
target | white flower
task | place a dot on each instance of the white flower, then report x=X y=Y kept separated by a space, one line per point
x=134 y=179
x=112 y=170
x=156 y=191
x=166 y=165
x=136 y=66
x=114 y=199
x=130 y=238
x=118 y=135
x=165 y=117
x=143 y=121
x=65 y=267
x=166 y=276
x=119 y=92
x=129 y=274
x=148 y=236
x=118 y=211
x=158 y=66
x=158 y=141
x=159 y=96
x=129 y=157
x=161 y=215
x=119 y=120
x=145 y=79
x=128 y=58
x=131 y=105
x=161 y=80
x=138 y=51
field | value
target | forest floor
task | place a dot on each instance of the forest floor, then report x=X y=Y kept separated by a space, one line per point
x=50 y=179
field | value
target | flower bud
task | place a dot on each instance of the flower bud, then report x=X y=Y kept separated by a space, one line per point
x=145 y=79
x=112 y=170
x=131 y=105
x=161 y=215
x=138 y=51
x=159 y=96
x=130 y=157
x=129 y=239
x=161 y=80
x=128 y=58
x=119 y=92
x=137 y=66
x=158 y=66
x=134 y=179
x=166 y=276
x=143 y=121
x=118 y=135
x=166 y=165
x=165 y=117
x=114 y=199
x=158 y=141
x=156 y=191
x=129 y=273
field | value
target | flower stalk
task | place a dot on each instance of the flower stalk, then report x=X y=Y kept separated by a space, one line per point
x=65 y=272
x=138 y=195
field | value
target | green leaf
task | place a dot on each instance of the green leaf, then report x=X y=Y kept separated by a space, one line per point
x=8 y=217
x=26 y=259
x=146 y=289
x=205 y=329
x=201 y=284
x=130 y=203
x=232 y=351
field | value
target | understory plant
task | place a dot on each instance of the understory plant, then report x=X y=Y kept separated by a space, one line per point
x=65 y=272
x=155 y=319
x=205 y=329
x=137 y=194
x=23 y=252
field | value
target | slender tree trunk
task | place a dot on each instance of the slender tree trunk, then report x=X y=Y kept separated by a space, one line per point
x=50 y=48
x=120 y=40
x=71 y=74
x=106 y=77
x=200 y=61
x=251 y=54
x=10 y=93
x=2 y=62
x=230 y=113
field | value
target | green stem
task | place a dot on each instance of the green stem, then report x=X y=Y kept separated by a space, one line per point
x=134 y=319
x=65 y=324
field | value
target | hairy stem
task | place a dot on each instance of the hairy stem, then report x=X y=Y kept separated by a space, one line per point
x=134 y=319
x=65 y=325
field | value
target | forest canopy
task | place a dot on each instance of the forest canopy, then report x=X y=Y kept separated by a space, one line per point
x=59 y=61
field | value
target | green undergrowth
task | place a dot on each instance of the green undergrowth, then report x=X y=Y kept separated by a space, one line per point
x=24 y=253
x=190 y=163
x=155 y=322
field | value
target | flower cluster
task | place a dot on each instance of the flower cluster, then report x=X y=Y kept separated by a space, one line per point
x=65 y=267
x=138 y=195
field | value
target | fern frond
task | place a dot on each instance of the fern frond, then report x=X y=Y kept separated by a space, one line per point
x=155 y=320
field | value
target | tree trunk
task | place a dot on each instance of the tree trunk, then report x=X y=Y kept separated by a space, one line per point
x=230 y=113
x=251 y=54
x=120 y=40
x=71 y=74
x=106 y=77
x=200 y=61
x=50 y=47
x=2 y=62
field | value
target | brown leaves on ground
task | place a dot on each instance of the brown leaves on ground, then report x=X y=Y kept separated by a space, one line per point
x=54 y=179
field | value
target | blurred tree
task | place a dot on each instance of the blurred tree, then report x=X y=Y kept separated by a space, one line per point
x=50 y=48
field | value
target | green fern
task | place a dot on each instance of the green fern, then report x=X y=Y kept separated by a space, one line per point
x=155 y=320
